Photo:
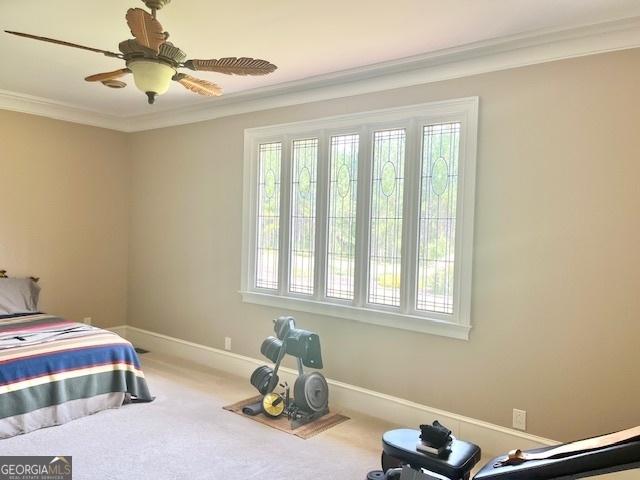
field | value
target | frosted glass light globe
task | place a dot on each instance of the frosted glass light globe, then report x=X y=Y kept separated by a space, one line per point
x=151 y=76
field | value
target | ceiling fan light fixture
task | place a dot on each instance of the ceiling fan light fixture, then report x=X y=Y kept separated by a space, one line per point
x=151 y=77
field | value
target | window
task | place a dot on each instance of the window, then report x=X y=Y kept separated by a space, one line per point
x=366 y=216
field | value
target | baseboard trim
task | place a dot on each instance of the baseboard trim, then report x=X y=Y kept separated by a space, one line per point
x=493 y=439
x=120 y=330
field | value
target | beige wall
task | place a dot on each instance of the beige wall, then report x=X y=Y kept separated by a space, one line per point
x=556 y=307
x=556 y=303
x=64 y=214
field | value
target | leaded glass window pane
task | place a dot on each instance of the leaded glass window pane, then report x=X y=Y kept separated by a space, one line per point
x=386 y=217
x=270 y=156
x=303 y=215
x=438 y=196
x=341 y=233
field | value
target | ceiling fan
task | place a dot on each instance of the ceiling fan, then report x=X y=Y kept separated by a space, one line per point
x=154 y=61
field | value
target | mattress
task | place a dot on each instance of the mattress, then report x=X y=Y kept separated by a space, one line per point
x=53 y=370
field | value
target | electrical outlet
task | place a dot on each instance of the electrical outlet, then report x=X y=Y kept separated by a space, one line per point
x=87 y=320
x=519 y=419
x=227 y=343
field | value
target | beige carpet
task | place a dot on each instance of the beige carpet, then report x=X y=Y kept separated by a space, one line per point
x=185 y=434
x=284 y=425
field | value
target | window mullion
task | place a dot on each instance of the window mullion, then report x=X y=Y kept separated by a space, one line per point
x=322 y=187
x=410 y=214
x=285 y=217
x=362 y=222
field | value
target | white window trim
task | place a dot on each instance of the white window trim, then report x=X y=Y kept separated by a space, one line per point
x=463 y=110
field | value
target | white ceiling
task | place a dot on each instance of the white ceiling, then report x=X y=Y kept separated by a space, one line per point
x=303 y=38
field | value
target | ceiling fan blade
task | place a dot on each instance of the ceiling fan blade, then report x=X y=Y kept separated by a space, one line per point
x=233 y=66
x=147 y=30
x=66 y=44
x=101 y=77
x=197 y=85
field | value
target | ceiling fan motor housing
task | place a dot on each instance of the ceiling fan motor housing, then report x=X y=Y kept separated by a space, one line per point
x=169 y=53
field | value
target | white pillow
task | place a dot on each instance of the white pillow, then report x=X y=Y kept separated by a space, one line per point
x=18 y=295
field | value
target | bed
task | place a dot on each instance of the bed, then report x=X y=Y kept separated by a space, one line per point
x=54 y=370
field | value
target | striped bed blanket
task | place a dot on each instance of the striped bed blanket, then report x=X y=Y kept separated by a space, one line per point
x=46 y=361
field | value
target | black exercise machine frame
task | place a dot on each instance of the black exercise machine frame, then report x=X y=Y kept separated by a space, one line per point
x=402 y=461
x=305 y=347
x=283 y=326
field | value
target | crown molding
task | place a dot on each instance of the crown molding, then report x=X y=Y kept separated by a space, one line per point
x=471 y=59
x=43 y=107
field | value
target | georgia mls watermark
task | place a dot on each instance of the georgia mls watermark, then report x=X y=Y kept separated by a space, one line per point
x=35 y=468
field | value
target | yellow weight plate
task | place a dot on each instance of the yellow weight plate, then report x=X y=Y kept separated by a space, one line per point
x=273 y=404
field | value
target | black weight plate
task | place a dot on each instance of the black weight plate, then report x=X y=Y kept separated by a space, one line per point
x=298 y=392
x=258 y=375
x=311 y=392
x=263 y=380
x=264 y=387
x=270 y=348
x=263 y=374
x=258 y=380
x=254 y=376
x=276 y=348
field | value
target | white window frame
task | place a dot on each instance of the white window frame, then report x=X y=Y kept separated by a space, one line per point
x=412 y=118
